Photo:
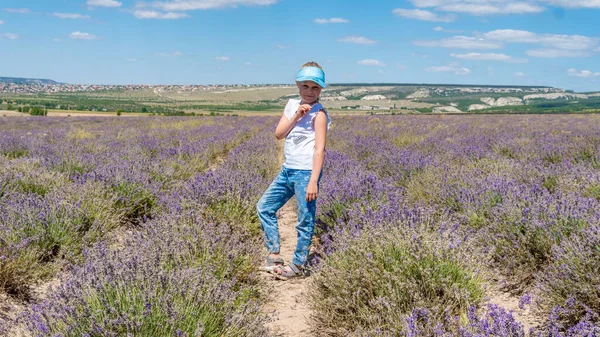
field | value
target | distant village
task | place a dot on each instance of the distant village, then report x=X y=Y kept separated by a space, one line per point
x=36 y=88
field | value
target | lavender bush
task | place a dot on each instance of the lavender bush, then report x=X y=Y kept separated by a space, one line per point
x=493 y=322
x=178 y=276
x=574 y=277
x=570 y=319
x=383 y=274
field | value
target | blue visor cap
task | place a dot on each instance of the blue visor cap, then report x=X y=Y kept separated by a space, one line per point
x=312 y=74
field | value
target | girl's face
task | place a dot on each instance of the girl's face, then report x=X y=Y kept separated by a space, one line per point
x=309 y=91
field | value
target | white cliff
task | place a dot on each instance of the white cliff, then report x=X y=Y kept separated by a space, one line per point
x=373 y=97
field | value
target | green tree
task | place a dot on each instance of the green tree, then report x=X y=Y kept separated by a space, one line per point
x=38 y=111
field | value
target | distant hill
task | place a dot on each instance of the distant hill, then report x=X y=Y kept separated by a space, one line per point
x=20 y=80
x=437 y=85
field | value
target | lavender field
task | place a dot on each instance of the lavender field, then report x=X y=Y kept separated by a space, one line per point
x=148 y=225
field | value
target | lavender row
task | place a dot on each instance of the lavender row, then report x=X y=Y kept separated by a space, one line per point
x=517 y=202
x=64 y=184
x=189 y=271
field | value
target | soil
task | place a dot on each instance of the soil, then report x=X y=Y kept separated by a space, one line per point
x=510 y=302
x=288 y=304
x=10 y=308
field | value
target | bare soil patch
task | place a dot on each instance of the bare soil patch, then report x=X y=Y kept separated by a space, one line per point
x=383 y=103
x=88 y=114
x=288 y=304
x=231 y=95
x=510 y=302
x=10 y=309
x=12 y=113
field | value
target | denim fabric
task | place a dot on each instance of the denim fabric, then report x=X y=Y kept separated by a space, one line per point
x=289 y=182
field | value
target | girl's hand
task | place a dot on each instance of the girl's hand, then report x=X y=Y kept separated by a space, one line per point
x=303 y=110
x=311 y=191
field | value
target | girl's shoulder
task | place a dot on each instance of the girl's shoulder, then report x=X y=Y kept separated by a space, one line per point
x=318 y=107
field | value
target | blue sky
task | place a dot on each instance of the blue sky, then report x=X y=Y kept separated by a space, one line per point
x=525 y=42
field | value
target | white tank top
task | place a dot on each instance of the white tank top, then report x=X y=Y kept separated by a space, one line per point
x=299 y=147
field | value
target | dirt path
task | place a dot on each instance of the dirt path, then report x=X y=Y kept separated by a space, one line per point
x=11 y=308
x=287 y=306
x=511 y=302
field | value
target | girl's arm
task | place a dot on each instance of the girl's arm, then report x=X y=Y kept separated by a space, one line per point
x=286 y=125
x=319 y=157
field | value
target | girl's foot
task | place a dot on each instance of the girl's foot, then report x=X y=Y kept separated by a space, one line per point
x=272 y=262
x=289 y=272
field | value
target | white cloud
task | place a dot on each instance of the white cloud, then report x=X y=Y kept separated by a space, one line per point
x=463 y=42
x=11 y=36
x=280 y=46
x=189 y=5
x=583 y=73
x=556 y=41
x=553 y=45
x=222 y=58
x=248 y=63
x=420 y=14
x=427 y=3
x=1 y=22
x=520 y=74
x=82 y=36
x=489 y=57
x=481 y=7
x=371 y=62
x=442 y=29
x=574 y=3
x=70 y=16
x=332 y=20
x=150 y=14
x=511 y=35
x=56 y=40
x=17 y=10
x=453 y=69
x=358 y=40
x=175 y=53
x=492 y=8
x=554 y=53
x=104 y=3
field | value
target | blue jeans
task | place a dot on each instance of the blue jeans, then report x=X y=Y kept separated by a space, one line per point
x=289 y=182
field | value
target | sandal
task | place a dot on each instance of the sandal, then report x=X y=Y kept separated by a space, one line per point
x=294 y=272
x=271 y=263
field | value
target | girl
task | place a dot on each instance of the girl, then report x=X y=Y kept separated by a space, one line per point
x=304 y=126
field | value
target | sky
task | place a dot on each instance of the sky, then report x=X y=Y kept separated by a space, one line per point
x=480 y=42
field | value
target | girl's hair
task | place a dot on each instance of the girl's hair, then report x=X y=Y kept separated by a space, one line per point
x=311 y=64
